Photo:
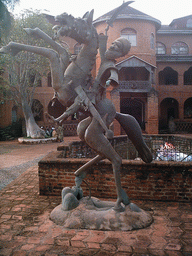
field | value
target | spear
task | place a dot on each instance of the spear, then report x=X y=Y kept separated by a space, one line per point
x=115 y=14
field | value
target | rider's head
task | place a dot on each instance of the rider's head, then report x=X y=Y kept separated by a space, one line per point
x=119 y=48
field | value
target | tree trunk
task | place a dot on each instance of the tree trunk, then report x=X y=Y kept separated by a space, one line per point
x=32 y=129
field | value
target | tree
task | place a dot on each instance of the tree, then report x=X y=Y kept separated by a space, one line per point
x=5 y=26
x=25 y=69
x=5 y=16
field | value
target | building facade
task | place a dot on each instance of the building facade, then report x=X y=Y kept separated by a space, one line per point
x=155 y=77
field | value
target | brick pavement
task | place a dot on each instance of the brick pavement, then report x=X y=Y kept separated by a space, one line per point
x=25 y=228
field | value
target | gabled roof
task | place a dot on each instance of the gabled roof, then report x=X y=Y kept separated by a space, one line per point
x=128 y=13
x=179 y=20
x=134 y=61
x=178 y=26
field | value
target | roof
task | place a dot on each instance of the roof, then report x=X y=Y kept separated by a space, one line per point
x=179 y=20
x=134 y=61
x=178 y=26
x=128 y=13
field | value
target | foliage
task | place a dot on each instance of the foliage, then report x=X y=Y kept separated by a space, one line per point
x=4 y=84
x=5 y=16
x=26 y=68
x=22 y=72
x=12 y=131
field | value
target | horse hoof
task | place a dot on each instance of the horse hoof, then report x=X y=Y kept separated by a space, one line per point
x=118 y=208
x=125 y=198
x=79 y=179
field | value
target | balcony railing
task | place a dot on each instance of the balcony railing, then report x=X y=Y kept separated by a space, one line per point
x=174 y=58
x=134 y=86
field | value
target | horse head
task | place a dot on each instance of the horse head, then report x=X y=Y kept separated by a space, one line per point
x=80 y=29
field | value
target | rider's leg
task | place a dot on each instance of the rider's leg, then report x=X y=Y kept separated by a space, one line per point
x=133 y=131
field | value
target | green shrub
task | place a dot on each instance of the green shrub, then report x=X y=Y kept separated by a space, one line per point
x=11 y=132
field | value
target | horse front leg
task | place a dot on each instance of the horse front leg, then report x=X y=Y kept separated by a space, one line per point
x=38 y=33
x=55 y=63
x=14 y=48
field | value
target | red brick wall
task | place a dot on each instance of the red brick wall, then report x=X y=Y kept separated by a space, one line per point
x=143 y=29
x=169 y=181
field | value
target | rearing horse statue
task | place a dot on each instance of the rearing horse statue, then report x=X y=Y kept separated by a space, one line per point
x=71 y=80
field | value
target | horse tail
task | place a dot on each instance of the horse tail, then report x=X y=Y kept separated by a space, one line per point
x=134 y=133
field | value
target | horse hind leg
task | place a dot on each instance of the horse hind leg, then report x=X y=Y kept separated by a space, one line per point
x=95 y=138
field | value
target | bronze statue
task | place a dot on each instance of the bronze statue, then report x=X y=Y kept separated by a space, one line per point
x=72 y=82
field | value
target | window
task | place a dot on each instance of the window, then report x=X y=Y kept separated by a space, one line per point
x=188 y=108
x=14 y=114
x=160 y=48
x=189 y=23
x=152 y=41
x=131 y=35
x=179 y=48
x=168 y=77
x=188 y=77
x=37 y=109
x=34 y=78
x=49 y=82
x=77 y=48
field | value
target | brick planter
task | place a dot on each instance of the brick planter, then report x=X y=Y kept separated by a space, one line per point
x=168 y=181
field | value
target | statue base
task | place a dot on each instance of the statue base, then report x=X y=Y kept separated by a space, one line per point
x=36 y=141
x=92 y=213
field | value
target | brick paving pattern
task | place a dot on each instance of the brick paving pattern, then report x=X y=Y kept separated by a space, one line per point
x=25 y=228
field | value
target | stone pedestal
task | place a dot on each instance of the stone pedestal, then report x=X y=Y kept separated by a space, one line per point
x=95 y=214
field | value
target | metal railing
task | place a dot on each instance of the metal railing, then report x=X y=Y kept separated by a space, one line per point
x=143 y=86
x=170 y=147
x=163 y=148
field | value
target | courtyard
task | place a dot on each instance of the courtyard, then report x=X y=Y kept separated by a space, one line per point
x=27 y=230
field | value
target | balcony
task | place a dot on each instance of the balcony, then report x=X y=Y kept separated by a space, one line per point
x=174 y=58
x=134 y=86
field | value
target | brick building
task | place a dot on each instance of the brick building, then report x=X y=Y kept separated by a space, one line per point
x=155 y=77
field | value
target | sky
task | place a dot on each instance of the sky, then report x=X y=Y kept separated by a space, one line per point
x=163 y=10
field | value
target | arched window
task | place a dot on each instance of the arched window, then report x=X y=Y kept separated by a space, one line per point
x=14 y=114
x=37 y=109
x=179 y=48
x=130 y=34
x=34 y=78
x=152 y=41
x=168 y=76
x=134 y=107
x=77 y=48
x=188 y=108
x=169 y=109
x=160 y=48
x=188 y=77
x=49 y=82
